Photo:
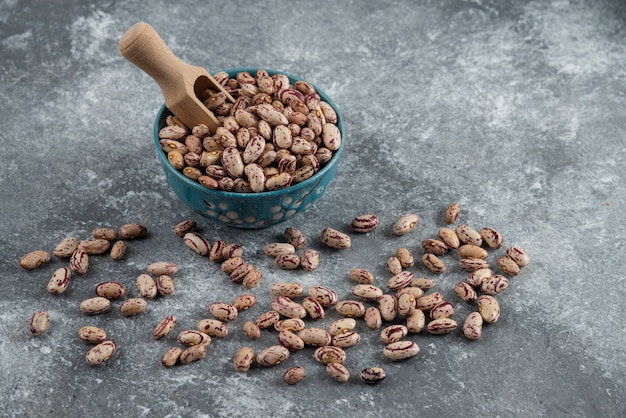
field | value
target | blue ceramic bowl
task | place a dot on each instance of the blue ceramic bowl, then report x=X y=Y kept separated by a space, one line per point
x=250 y=210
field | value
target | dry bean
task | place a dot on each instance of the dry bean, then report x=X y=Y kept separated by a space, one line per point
x=429 y=301
x=295 y=237
x=494 y=285
x=231 y=264
x=243 y=359
x=290 y=341
x=472 y=251
x=245 y=301
x=288 y=308
x=416 y=292
x=388 y=307
x=325 y=296
x=338 y=371
x=367 y=292
x=473 y=326
x=59 y=281
x=441 y=326
x=279 y=248
x=164 y=327
x=477 y=277
x=66 y=247
x=223 y=311
x=468 y=235
x=491 y=237
x=406 y=304
x=449 y=238
x=401 y=350
x=240 y=272
x=361 y=276
x=171 y=356
x=416 y=321
x=34 y=259
x=309 y=260
x=288 y=261
x=400 y=280
x=147 y=286
x=251 y=330
x=405 y=256
x=272 y=355
x=94 y=246
x=372 y=375
x=289 y=324
x=465 y=291
x=39 y=322
x=192 y=337
x=197 y=243
x=267 y=319
x=433 y=263
x=373 y=318
x=442 y=310
x=341 y=325
x=93 y=306
x=294 y=375
x=315 y=336
x=101 y=353
x=110 y=290
x=405 y=224
x=165 y=285
x=79 y=262
x=472 y=264
x=508 y=266
x=365 y=223
x=451 y=213
x=184 y=227
x=393 y=265
x=133 y=306
x=335 y=239
x=423 y=283
x=518 y=255
x=132 y=231
x=193 y=353
x=434 y=246
x=92 y=334
x=489 y=308
x=346 y=339
x=350 y=308
x=313 y=308
x=118 y=249
x=329 y=354
x=162 y=267
x=393 y=333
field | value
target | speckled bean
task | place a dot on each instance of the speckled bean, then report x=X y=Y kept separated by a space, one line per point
x=59 y=281
x=405 y=224
x=223 y=311
x=79 y=261
x=494 y=285
x=361 y=276
x=132 y=231
x=465 y=291
x=294 y=375
x=443 y=310
x=286 y=307
x=405 y=256
x=491 y=237
x=315 y=336
x=416 y=321
x=335 y=239
x=489 y=308
x=110 y=290
x=325 y=296
x=162 y=267
x=400 y=280
x=434 y=246
x=245 y=301
x=367 y=292
x=38 y=323
x=472 y=264
x=433 y=263
x=34 y=259
x=118 y=250
x=441 y=326
x=388 y=307
x=365 y=223
x=96 y=305
x=295 y=237
x=147 y=286
x=313 y=308
x=519 y=256
x=92 y=334
x=66 y=247
x=508 y=266
x=101 y=353
x=309 y=260
x=350 y=308
x=400 y=350
x=406 y=303
x=372 y=375
x=472 y=251
x=423 y=283
x=267 y=319
x=251 y=330
x=373 y=318
x=429 y=301
x=338 y=372
x=451 y=213
x=477 y=277
x=393 y=265
x=473 y=326
x=164 y=327
x=289 y=324
x=240 y=272
x=272 y=355
x=288 y=261
x=193 y=353
x=197 y=243
x=243 y=359
x=171 y=356
x=329 y=354
x=133 y=306
x=393 y=333
x=449 y=238
x=468 y=235
x=184 y=227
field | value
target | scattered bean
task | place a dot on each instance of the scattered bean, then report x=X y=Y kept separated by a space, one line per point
x=39 y=322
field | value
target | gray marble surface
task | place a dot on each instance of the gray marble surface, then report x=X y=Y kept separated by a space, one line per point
x=514 y=109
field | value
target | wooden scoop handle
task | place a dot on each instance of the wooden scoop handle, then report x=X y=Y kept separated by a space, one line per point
x=180 y=82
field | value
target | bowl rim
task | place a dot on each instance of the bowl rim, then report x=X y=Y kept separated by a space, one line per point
x=164 y=111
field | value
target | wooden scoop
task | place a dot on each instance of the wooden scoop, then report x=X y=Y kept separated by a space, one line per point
x=180 y=83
